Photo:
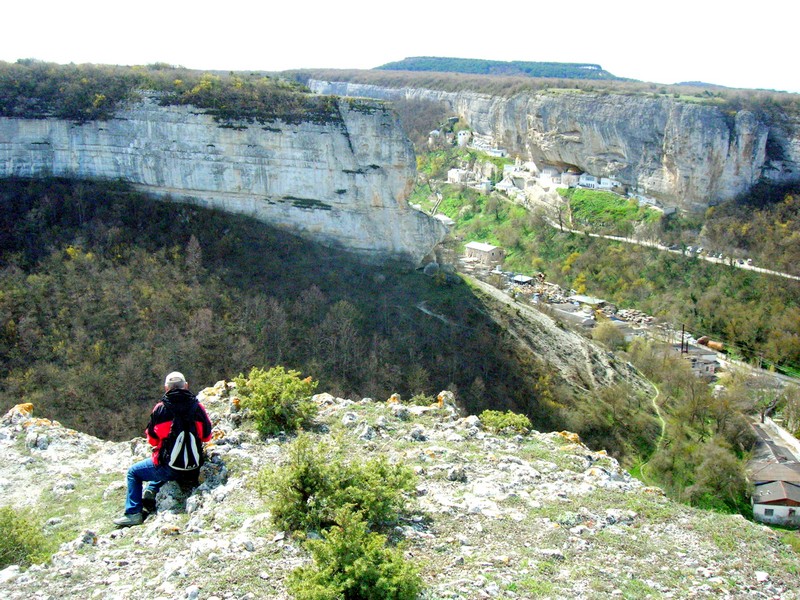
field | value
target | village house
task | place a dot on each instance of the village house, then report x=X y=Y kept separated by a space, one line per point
x=457 y=176
x=572 y=313
x=484 y=253
x=463 y=138
x=702 y=367
x=777 y=502
x=702 y=360
x=776 y=495
x=591 y=302
x=775 y=474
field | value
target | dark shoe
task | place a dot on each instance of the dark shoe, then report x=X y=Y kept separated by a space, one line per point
x=129 y=520
x=149 y=500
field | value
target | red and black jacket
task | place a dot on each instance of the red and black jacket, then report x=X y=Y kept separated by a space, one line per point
x=175 y=402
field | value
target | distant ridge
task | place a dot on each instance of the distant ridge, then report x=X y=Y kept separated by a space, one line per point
x=479 y=66
x=701 y=84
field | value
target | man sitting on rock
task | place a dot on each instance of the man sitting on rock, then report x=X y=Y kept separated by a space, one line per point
x=178 y=425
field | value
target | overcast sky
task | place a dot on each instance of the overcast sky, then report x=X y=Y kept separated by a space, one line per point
x=750 y=45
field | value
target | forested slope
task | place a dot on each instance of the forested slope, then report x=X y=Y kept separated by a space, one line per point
x=103 y=291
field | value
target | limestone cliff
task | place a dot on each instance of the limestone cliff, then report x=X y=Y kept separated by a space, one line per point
x=342 y=182
x=687 y=154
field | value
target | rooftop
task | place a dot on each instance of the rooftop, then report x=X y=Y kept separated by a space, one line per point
x=776 y=491
x=763 y=472
x=481 y=246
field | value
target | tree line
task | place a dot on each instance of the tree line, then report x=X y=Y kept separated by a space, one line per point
x=86 y=92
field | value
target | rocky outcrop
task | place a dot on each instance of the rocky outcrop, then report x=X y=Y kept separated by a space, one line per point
x=686 y=154
x=494 y=515
x=343 y=182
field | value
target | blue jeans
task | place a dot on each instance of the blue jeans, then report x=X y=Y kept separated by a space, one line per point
x=145 y=470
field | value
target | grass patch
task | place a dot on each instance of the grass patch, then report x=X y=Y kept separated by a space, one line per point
x=598 y=207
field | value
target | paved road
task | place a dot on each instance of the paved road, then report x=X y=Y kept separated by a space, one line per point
x=729 y=262
x=771 y=435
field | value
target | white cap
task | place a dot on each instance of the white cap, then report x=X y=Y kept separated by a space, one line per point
x=173 y=379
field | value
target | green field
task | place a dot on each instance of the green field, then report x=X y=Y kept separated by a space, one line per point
x=597 y=207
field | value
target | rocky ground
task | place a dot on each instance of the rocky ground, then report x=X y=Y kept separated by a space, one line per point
x=495 y=516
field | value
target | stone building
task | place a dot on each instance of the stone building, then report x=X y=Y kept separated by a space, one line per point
x=485 y=253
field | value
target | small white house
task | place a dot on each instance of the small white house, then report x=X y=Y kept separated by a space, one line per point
x=607 y=183
x=777 y=502
x=464 y=137
x=457 y=176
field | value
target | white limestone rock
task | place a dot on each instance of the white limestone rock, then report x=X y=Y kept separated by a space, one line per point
x=342 y=183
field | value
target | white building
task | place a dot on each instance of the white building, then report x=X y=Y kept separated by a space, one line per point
x=776 y=493
x=607 y=183
x=506 y=185
x=457 y=176
x=549 y=176
x=587 y=181
x=464 y=137
x=777 y=502
x=570 y=178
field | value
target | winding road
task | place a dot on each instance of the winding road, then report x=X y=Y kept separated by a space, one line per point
x=722 y=261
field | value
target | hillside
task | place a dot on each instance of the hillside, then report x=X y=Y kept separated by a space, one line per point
x=475 y=66
x=103 y=288
x=535 y=515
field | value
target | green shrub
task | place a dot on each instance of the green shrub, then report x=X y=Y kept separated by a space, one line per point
x=497 y=421
x=278 y=400
x=423 y=399
x=352 y=562
x=306 y=493
x=21 y=540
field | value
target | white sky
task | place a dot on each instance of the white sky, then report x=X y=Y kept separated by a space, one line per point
x=733 y=43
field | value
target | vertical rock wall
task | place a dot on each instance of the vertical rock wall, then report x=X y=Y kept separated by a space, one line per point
x=342 y=182
x=691 y=155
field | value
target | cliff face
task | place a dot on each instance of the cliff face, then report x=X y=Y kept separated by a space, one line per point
x=342 y=182
x=686 y=154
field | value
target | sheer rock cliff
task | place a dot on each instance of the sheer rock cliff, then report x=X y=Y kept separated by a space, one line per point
x=685 y=154
x=343 y=182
